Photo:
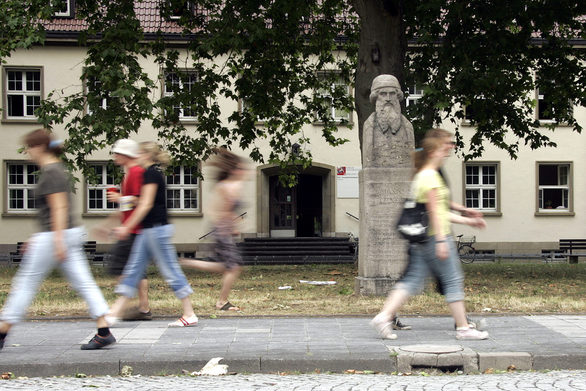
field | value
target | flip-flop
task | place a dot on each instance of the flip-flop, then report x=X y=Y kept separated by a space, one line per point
x=229 y=307
x=184 y=322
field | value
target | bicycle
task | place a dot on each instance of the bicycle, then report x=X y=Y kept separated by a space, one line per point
x=466 y=252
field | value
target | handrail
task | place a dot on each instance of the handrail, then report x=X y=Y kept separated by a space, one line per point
x=351 y=215
x=214 y=230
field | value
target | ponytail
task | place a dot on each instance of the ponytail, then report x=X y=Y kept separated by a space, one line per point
x=159 y=156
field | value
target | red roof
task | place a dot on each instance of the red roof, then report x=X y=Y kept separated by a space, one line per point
x=147 y=12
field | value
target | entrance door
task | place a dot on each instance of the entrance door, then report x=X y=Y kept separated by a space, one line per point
x=309 y=206
x=296 y=211
x=283 y=211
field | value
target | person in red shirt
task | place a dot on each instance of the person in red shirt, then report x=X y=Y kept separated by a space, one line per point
x=125 y=152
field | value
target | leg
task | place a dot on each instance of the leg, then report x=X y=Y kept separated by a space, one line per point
x=78 y=273
x=163 y=251
x=38 y=261
x=134 y=270
x=143 y=296
x=230 y=276
x=206 y=266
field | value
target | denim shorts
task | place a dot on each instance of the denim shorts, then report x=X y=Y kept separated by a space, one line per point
x=423 y=262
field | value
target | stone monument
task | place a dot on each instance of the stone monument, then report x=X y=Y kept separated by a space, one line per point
x=385 y=179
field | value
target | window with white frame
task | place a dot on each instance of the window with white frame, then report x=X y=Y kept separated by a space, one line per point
x=544 y=108
x=63 y=8
x=22 y=92
x=244 y=106
x=104 y=177
x=554 y=186
x=182 y=82
x=481 y=190
x=181 y=9
x=413 y=94
x=101 y=101
x=22 y=179
x=338 y=114
x=183 y=189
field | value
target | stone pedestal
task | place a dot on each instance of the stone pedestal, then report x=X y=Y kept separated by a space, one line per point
x=383 y=252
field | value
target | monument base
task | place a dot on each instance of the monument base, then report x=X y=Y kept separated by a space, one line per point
x=375 y=286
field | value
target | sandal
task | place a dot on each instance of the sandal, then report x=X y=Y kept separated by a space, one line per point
x=229 y=307
x=184 y=322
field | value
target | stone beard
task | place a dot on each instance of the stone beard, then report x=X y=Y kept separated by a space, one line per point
x=388 y=116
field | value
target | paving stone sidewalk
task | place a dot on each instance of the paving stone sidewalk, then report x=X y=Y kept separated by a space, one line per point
x=265 y=345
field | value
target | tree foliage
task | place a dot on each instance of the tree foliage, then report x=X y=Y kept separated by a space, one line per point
x=271 y=58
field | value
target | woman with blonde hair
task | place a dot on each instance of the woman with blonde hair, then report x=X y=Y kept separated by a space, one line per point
x=227 y=260
x=59 y=244
x=154 y=240
x=438 y=254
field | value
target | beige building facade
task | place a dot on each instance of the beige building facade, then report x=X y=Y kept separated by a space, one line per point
x=530 y=202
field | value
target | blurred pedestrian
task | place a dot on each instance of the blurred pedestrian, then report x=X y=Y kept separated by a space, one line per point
x=59 y=244
x=231 y=175
x=154 y=240
x=125 y=153
x=438 y=254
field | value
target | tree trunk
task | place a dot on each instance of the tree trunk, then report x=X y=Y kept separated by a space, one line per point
x=382 y=49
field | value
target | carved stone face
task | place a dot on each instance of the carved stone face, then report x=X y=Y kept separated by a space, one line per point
x=388 y=95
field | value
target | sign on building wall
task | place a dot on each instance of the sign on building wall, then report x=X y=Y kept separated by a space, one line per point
x=347 y=182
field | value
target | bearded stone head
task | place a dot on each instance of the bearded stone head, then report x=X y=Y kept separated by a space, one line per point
x=385 y=81
x=386 y=94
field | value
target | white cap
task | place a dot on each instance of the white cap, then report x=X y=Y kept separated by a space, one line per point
x=126 y=147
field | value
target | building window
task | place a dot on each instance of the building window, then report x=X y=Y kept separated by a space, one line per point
x=554 y=192
x=181 y=83
x=63 y=8
x=99 y=98
x=22 y=92
x=22 y=179
x=413 y=94
x=183 y=189
x=481 y=187
x=544 y=108
x=178 y=10
x=104 y=177
x=244 y=106
x=327 y=94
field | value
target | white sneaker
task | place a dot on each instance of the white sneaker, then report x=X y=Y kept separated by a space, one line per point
x=383 y=327
x=471 y=334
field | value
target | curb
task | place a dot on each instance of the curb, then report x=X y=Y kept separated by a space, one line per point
x=474 y=362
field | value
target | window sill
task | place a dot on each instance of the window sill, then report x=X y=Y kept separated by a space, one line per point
x=98 y=214
x=546 y=122
x=185 y=214
x=345 y=123
x=20 y=214
x=550 y=214
x=20 y=121
x=491 y=214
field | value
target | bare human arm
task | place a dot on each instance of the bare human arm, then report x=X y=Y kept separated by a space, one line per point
x=58 y=205
x=469 y=212
x=145 y=204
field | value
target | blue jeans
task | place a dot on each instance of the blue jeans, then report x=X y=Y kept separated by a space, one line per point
x=154 y=243
x=39 y=260
x=422 y=261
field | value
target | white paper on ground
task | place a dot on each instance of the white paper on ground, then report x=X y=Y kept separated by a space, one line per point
x=318 y=282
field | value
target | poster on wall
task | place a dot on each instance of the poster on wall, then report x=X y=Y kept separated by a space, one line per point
x=347 y=182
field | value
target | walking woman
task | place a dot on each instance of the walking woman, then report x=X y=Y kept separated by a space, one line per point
x=438 y=254
x=154 y=240
x=231 y=175
x=60 y=243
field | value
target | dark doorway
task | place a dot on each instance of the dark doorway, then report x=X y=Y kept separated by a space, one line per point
x=309 y=206
x=296 y=211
